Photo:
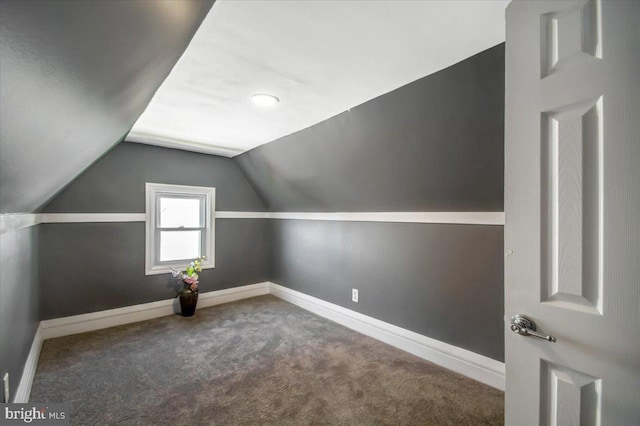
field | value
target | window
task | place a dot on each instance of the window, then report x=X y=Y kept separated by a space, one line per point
x=180 y=226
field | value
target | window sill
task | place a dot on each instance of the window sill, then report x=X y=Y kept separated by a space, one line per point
x=166 y=269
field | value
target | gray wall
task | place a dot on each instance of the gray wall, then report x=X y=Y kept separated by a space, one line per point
x=74 y=77
x=433 y=145
x=87 y=267
x=18 y=300
x=116 y=182
x=442 y=281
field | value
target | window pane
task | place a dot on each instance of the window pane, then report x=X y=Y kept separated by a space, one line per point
x=177 y=212
x=177 y=245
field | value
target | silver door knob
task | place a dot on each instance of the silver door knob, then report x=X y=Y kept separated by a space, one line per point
x=526 y=327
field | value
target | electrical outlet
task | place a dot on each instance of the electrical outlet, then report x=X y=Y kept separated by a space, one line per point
x=354 y=295
x=5 y=381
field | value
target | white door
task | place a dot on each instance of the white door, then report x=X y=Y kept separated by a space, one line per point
x=572 y=235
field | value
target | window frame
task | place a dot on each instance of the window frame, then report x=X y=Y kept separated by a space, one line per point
x=154 y=192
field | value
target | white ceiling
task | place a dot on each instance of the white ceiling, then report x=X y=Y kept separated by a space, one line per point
x=319 y=57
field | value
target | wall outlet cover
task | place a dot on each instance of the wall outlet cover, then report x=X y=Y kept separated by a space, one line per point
x=354 y=295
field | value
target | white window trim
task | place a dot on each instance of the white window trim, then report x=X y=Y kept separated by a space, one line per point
x=151 y=190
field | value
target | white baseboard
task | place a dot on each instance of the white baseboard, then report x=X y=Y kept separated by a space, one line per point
x=219 y=297
x=113 y=317
x=470 y=364
x=29 y=371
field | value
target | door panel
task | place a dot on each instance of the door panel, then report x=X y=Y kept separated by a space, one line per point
x=571 y=397
x=571 y=156
x=572 y=203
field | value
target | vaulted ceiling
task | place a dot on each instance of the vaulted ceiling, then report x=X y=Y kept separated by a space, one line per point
x=75 y=76
x=320 y=58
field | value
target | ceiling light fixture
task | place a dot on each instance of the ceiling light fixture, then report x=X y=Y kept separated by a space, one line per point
x=264 y=99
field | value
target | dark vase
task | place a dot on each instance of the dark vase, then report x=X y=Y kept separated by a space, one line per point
x=188 y=302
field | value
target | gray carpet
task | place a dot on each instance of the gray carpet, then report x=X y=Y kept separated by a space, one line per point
x=256 y=361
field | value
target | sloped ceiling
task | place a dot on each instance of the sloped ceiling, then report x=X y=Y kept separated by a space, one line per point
x=74 y=77
x=435 y=144
x=320 y=58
